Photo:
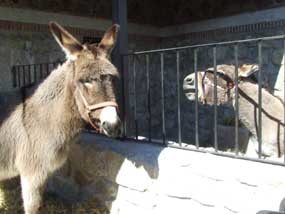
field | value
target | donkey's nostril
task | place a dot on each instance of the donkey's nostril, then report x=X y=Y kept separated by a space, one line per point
x=189 y=81
x=106 y=125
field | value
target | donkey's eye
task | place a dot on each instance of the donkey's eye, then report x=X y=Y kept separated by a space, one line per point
x=96 y=79
x=88 y=84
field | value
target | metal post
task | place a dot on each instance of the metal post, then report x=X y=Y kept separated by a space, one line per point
x=119 y=14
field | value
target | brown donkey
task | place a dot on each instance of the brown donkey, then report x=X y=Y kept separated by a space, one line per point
x=35 y=138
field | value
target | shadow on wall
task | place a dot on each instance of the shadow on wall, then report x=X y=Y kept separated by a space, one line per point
x=90 y=180
x=11 y=99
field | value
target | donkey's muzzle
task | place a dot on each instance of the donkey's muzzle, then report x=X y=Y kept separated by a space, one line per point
x=110 y=122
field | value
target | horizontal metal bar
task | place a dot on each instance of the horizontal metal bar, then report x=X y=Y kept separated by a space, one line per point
x=226 y=155
x=208 y=45
x=229 y=155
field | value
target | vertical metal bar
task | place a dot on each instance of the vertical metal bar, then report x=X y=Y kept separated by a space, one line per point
x=123 y=95
x=148 y=96
x=135 y=97
x=178 y=97
x=162 y=97
x=14 y=77
x=236 y=101
x=29 y=74
x=24 y=75
x=259 y=131
x=196 y=99
x=41 y=71
x=215 y=98
x=19 y=76
x=47 y=69
x=119 y=16
x=35 y=73
x=284 y=97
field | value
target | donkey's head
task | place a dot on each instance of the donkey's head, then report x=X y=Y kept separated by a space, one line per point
x=92 y=78
x=225 y=83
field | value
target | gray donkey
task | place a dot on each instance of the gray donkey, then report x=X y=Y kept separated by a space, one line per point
x=35 y=138
x=272 y=107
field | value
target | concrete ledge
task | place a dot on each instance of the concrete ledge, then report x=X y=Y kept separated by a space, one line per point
x=144 y=178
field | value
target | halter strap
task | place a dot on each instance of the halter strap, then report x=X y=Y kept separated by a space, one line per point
x=90 y=108
x=229 y=81
x=102 y=105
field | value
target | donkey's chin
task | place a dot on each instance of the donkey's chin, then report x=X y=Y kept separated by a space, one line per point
x=190 y=96
x=115 y=132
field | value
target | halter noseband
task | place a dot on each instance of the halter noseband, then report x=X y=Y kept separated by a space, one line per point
x=94 y=107
x=229 y=81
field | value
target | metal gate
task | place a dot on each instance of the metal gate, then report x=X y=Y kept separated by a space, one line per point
x=140 y=63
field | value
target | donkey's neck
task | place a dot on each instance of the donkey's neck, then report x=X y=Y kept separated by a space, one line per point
x=55 y=96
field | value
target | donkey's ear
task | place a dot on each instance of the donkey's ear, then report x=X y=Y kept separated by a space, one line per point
x=246 y=70
x=68 y=43
x=109 y=39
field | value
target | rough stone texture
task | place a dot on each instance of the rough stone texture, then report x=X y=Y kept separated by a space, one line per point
x=128 y=177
